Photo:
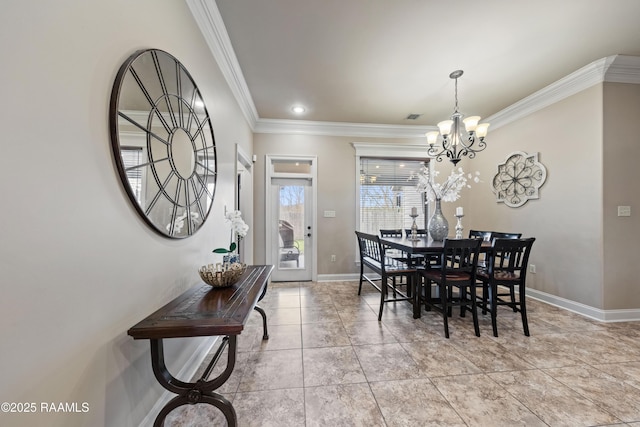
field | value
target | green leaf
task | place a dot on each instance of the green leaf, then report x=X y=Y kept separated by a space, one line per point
x=220 y=251
x=233 y=247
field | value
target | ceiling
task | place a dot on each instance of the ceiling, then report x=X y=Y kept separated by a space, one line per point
x=377 y=61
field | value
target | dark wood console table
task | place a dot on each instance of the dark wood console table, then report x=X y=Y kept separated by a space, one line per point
x=204 y=311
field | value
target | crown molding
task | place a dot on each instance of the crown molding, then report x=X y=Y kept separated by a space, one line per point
x=209 y=20
x=615 y=68
x=305 y=127
x=624 y=69
x=367 y=149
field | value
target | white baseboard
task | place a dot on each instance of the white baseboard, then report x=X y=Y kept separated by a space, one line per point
x=338 y=277
x=585 y=310
x=188 y=371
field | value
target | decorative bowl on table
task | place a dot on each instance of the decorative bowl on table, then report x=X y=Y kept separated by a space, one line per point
x=222 y=276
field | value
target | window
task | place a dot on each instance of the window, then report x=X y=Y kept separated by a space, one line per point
x=387 y=194
x=132 y=160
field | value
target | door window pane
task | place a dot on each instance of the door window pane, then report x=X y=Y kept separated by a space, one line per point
x=291 y=226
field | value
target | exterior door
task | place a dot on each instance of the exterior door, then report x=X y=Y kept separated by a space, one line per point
x=291 y=229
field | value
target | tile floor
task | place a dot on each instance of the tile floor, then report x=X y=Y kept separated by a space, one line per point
x=329 y=362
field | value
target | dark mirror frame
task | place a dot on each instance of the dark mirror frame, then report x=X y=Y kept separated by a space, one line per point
x=163 y=143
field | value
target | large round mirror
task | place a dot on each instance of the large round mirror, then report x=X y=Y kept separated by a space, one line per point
x=163 y=143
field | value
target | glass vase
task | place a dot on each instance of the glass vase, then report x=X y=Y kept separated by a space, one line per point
x=438 y=225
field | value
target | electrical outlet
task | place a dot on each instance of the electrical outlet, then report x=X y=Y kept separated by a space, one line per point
x=333 y=258
x=532 y=268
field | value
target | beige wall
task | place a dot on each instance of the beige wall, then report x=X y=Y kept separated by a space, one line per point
x=621 y=177
x=336 y=191
x=567 y=219
x=79 y=267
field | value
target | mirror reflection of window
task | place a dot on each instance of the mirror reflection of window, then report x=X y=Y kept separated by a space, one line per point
x=133 y=157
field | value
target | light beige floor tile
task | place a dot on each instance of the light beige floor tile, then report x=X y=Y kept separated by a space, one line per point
x=198 y=415
x=273 y=408
x=330 y=366
x=482 y=402
x=280 y=300
x=490 y=356
x=571 y=371
x=571 y=322
x=438 y=358
x=393 y=310
x=350 y=314
x=386 y=362
x=369 y=332
x=284 y=288
x=350 y=405
x=324 y=335
x=414 y=403
x=628 y=373
x=542 y=351
x=281 y=337
x=616 y=397
x=553 y=402
x=407 y=329
x=270 y=370
x=319 y=314
x=313 y=300
x=602 y=347
x=282 y=316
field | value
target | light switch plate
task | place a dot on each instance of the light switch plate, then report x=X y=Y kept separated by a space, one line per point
x=624 y=210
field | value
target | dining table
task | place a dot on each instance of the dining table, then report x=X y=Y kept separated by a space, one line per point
x=423 y=245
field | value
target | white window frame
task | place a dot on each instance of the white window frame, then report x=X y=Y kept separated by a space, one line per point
x=386 y=151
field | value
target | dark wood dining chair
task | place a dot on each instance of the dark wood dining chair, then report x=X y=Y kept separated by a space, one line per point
x=373 y=256
x=506 y=268
x=403 y=257
x=391 y=232
x=420 y=232
x=501 y=235
x=480 y=234
x=459 y=262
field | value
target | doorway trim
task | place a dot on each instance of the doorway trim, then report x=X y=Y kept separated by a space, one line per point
x=270 y=160
x=243 y=199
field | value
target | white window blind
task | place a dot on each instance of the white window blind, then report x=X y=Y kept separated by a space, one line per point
x=131 y=158
x=387 y=194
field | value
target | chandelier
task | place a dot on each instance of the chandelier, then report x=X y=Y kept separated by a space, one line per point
x=456 y=142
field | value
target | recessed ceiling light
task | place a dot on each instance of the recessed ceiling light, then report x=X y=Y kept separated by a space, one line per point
x=298 y=109
x=199 y=103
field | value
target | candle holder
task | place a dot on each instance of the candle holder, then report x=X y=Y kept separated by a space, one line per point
x=459 y=227
x=414 y=228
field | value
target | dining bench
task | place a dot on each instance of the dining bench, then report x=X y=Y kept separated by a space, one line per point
x=373 y=255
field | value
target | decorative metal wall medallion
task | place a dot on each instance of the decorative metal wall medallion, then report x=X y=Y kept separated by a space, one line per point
x=519 y=179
